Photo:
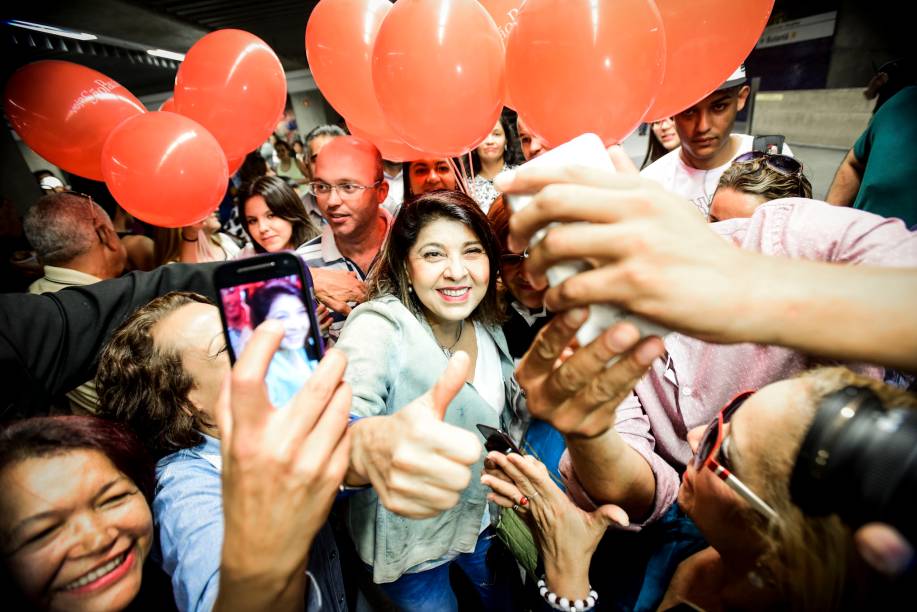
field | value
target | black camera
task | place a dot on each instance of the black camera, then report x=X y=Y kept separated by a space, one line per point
x=859 y=460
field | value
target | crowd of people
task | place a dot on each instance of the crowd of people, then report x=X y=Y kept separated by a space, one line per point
x=456 y=447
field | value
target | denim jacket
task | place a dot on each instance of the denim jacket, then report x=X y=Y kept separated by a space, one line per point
x=394 y=359
x=188 y=513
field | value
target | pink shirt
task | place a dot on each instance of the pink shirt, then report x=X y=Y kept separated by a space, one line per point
x=697 y=379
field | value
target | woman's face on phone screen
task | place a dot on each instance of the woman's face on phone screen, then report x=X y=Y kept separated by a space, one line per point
x=291 y=311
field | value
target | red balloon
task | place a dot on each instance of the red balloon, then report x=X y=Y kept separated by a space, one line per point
x=168 y=105
x=232 y=83
x=438 y=74
x=339 y=46
x=388 y=144
x=64 y=112
x=234 y=164
x=706 y=40
x=504 y=12
x=165 y=169
x=576 y=67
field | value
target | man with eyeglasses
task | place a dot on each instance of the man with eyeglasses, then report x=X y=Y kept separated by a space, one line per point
x=708 y=145
x=349 y=189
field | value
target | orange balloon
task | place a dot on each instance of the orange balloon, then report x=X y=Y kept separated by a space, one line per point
x=706 y=40
x=391 y=148
x=339 y=46
x=64 y=112
x=576 y=67
x=168 y=105
x=165 y=169
x=504 y=12
x=438 y=74
x=232 y=83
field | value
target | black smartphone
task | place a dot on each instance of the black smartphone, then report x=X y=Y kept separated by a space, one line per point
x=274 y=286
x=497 y=440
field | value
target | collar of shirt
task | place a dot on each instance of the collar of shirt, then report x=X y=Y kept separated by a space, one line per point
x=527 y=315
x=209 y=450
x=330 y=251
x=69 y=276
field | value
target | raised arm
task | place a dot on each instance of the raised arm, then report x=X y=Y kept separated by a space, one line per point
x=846 y=183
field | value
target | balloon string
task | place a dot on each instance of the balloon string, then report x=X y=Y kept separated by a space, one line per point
x=461 y=176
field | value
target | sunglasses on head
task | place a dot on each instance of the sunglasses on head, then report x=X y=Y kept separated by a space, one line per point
x=782 y=164
x=708 y=455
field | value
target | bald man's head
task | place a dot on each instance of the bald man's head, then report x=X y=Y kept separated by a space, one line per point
x=352 y=167
x=351 y=158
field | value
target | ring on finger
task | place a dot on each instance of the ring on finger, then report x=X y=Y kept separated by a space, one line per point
x=523 y=501
x=515 y=507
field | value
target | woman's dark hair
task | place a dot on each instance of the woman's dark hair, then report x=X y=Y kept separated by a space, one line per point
x=49 y=436
x=146 y=386
x=253 y=166
x=390 y=276
x=654 y=149
x=261 y=300
x=512 y=154
x=284 y=203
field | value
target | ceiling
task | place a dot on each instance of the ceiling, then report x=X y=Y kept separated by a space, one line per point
x=126 y=29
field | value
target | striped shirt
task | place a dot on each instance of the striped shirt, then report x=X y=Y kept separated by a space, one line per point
x=322 y=252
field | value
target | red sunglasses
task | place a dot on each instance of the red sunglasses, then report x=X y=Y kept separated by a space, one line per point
x=709 y=449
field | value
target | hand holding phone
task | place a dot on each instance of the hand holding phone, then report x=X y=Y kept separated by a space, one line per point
x=496 y=440
x=586 y=150
x=272 y=287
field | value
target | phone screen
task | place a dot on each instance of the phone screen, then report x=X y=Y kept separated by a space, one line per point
x=247 y=305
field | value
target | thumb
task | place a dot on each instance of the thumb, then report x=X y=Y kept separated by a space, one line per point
x=450 y=383
x=609 y=515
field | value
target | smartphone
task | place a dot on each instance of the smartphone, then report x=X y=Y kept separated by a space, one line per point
x=273 y=286
x=589 y=151
x=497 y=440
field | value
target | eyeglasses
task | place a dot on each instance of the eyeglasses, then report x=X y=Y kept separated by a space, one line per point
x=514 y=259
x=782 y=164
x=709 y=449
x=91 y=204
x=347 y=190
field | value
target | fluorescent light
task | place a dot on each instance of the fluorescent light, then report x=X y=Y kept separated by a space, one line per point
x=178 y=57
x=45 y=29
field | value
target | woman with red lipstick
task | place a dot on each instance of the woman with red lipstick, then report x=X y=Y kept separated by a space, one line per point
x=75 y=518
x=434 y=294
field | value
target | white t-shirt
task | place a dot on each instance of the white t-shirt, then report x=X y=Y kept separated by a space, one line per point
x=676 y=176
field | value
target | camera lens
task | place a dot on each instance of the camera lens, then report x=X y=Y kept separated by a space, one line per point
x=860 y=461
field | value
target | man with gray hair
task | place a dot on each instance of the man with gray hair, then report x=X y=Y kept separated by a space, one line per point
x=76 y=243
x=74 y=240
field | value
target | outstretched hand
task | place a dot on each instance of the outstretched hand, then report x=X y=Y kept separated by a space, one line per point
x=654 y=254
x=579 y=394
x=567 y=535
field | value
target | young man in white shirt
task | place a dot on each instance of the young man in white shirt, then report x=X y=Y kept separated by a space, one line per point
x=708 y=145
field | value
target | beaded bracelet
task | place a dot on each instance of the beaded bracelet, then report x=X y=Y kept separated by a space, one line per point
x=564 y=604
